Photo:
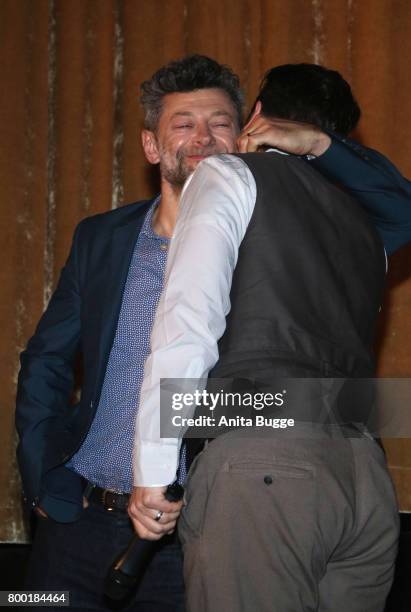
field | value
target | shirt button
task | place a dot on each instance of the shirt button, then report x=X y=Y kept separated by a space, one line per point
x=163 y=246
x=268 y=480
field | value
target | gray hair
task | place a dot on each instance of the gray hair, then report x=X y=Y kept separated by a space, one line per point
x=188 y=74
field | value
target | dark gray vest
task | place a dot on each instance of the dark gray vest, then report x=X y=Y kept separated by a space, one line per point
x=309 y=279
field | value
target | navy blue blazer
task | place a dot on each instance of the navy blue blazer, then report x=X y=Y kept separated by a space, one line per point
x=83 y=313
x=81 y=318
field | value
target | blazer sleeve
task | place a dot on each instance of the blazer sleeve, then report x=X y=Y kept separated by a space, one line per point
x=46 y=376
x=375 y=183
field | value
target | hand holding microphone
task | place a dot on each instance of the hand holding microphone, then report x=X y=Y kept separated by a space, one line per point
x=154 y=512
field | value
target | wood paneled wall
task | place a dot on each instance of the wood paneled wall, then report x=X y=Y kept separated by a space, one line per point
x=70 y=143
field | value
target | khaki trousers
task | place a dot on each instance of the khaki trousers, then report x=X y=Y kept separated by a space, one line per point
x=289 y=521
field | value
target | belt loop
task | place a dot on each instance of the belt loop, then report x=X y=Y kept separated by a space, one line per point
x=108 y=506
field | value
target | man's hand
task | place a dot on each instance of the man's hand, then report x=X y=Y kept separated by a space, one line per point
x=290 y=136
x=143 y=508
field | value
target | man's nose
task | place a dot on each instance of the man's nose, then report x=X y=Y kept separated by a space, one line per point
x=204 y=135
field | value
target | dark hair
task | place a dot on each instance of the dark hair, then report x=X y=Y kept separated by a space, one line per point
x=312 y=94
x=188 y=74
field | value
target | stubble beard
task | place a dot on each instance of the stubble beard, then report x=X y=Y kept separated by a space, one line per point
x=176 y=174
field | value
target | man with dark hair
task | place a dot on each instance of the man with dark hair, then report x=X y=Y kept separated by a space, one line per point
x=76 y=462
x=304 y=519
x=312 y=94
x=307 y=120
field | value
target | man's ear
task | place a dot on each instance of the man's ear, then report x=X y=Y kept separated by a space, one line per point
x=257 y=110
x=149 y=142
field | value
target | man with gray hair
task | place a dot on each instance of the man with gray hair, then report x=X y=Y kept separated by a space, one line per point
x=76 y=461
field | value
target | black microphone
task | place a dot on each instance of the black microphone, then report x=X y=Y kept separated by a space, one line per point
x=128 y=569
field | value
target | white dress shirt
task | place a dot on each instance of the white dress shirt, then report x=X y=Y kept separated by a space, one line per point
x=215 y=209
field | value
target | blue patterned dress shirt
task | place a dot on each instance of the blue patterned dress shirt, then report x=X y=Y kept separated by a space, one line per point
x=105 y=457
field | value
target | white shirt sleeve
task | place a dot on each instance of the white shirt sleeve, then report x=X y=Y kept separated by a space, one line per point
x=216 y=206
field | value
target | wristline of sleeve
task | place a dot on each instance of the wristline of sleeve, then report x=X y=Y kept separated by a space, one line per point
x=155 y=463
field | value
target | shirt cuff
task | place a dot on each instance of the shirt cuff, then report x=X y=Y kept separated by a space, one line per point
x=155 y=465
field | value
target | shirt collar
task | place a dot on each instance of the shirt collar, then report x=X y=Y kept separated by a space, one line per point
x=147 y=227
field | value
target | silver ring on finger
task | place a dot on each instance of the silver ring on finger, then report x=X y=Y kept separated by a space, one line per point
x=158 y=515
